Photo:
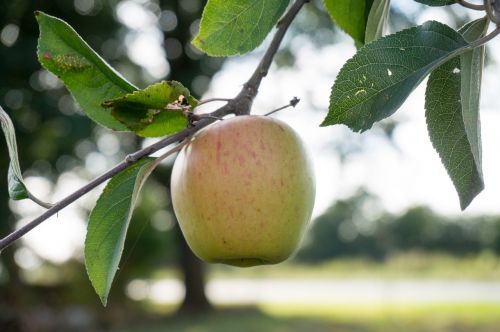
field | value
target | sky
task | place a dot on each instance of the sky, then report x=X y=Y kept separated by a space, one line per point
x=403 y=172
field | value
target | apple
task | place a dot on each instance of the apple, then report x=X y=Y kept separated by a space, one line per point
x=243 y=191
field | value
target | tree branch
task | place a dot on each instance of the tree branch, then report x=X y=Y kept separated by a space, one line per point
x=240 y=105
x=251 y=87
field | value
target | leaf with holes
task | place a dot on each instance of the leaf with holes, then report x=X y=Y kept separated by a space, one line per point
x=374 y=83
x=233 y=27
x=377 y=20
x=452 y=113
x=87 y=76
x=155 y=111
x=108 y=224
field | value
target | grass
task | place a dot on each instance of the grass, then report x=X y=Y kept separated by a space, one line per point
x=429 y=318
x=444 y=317
x=412 y=265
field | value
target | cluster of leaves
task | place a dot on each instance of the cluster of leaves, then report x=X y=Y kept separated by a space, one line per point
x=376 y=81
x=371 y=86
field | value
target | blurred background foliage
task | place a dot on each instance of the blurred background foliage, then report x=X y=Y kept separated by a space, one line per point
x=55 y=138
x=355 y=227
x=56 y=141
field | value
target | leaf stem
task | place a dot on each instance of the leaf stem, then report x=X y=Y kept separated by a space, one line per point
x=469 y=5
x=485 y=39
x=39 y=202
x=239 y=105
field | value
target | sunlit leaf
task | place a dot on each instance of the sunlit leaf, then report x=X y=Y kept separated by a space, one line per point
x=230 y=27
x=377 y=20
x=155 y=111
x=351 y=16
x=87 y=76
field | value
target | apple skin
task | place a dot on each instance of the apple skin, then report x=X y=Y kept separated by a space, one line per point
x=243 y=191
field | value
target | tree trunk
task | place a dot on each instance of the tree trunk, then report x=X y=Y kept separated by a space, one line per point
x=193 y=272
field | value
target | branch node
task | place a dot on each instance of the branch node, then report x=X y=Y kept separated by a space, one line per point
x=294 y=101
x=129 y=159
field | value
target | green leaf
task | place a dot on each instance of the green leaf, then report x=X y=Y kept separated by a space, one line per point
x=108 y=223
x=16 y=186
x=154 y=111
x=377 y=20
x=374 y=83
x=87 y=76
x=452 y=113
x=437 y=3
x=230 y=27
x=471 y=74
x=351 y=16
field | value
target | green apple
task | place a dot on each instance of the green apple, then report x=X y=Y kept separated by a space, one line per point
x=243 y=191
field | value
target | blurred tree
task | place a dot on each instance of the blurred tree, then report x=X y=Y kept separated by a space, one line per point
x=343 y=230
x=355 y=227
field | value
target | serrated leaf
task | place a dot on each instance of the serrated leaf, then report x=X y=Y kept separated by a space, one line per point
x=437 y=3
x=108 y=224
x=17 y=188
x=377 y=20
x=232 y=27
x=351 y=16
x=87 y=76
x=452 y=113
x=374 y=83
x=154 y=111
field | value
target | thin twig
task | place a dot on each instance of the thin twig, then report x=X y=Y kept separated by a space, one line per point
x=469 y=5
x=238 y=106
x=493 y=14
x=292 y=103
